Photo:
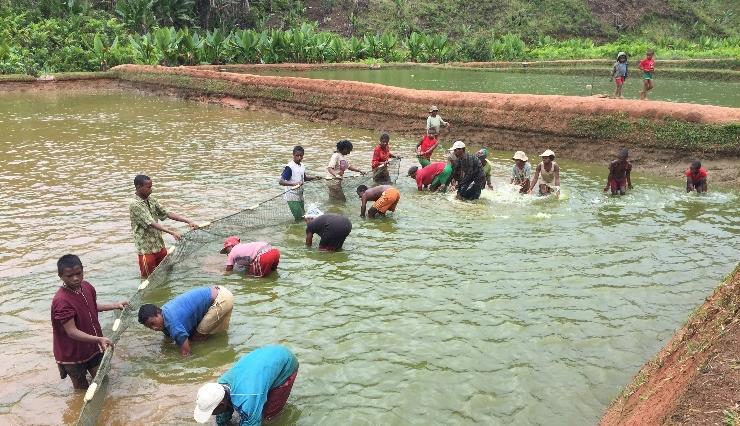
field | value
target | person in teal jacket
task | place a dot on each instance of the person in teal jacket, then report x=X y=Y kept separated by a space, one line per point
x=256 y=387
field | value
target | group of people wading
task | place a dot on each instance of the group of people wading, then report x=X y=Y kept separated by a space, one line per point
x=257 y=386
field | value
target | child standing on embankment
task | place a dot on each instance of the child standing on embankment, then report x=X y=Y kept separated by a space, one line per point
x=619 y=74
x=647 y=66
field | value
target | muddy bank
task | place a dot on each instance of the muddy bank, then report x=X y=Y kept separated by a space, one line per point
x=68 y=82
x=695 y=378
x=663 y=136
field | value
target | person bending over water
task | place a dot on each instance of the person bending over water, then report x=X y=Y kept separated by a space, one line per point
x=256 y=259
x=193 y=315
x=619 y=174
x=696 y=177
x=549 y=171
x=332 y=228
x=521 y=172
x=78 y=339
x=385 y=198
x=145 y=212
x=256 y=387
x=433 y=176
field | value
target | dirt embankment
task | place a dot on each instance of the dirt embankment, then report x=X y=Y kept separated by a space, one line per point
x=662 y=136
x=695 y=378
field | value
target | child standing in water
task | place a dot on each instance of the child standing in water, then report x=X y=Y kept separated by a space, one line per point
x=647 y=66
x=619 y=174
x=294 y=175
x=696 y=177
x=338 y=164
x=619 y=74
x=521 y=172
x=549 y=171
x=426 y=147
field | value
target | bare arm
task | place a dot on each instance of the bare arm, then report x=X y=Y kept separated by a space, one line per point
x=433 y=147
x=364 y=206
x=309 y=238
x=185 y=348
x=354 y=169
x=182 y=219
x=284 y=182
x=159 y=227
x=72 y=331
x=111 y=306
x=556 y=181
x=629 y=180
x=334 y=172
x=534 y=179
x=229 y=268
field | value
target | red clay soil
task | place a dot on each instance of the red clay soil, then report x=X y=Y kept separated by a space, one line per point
x=695 y=378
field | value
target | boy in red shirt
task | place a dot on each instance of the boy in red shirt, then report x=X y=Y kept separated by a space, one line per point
x=381 y=155
x=425 y=148
x=647 y=66
x=696 y=177
x=78 y=339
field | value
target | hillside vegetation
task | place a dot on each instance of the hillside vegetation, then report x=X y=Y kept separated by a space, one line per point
x=43 y=36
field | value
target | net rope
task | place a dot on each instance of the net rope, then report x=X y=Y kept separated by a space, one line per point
x=269 y=212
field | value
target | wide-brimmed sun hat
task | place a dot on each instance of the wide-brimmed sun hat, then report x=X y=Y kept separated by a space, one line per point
x=433 y=108
x=547 y=153
x=209 y=396
x=620 y=54
x=520 y=155
x=230 y=242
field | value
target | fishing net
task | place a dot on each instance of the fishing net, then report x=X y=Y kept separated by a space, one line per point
x=270 y=212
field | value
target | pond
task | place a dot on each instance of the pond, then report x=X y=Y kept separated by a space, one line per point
x=507 y=310
x=585 y=83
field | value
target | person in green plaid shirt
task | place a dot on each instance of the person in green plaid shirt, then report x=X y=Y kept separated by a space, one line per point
x=145 y=213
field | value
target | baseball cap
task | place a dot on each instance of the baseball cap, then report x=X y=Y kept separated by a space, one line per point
x=230 y=242
x=458 y=145
x=209 y=396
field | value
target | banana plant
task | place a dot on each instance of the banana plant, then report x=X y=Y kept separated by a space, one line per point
x=190 y=48
x=144 y=49
x=167 y=41
x=357 y=49
x=387 y=45
x=372 y=46
x=215 y=47
x=415 y=46
x=247 y=46
x=436 y=48
x=103 y=55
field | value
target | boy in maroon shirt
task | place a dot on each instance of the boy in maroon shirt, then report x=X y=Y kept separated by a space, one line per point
x=78 y=339
x=619 y=179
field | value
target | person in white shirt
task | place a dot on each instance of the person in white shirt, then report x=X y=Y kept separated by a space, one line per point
x=294 y=175
x=338 y=164
x=434 y=121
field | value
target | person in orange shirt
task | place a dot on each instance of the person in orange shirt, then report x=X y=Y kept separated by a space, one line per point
x=381 y=155
x=647 y=66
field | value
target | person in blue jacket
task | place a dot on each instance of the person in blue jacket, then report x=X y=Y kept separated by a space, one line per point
x=256 y=387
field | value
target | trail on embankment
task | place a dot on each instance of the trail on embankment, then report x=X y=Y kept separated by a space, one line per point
x=695 y=378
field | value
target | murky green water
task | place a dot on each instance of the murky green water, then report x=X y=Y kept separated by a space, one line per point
x=498 y=312
x=694 y=91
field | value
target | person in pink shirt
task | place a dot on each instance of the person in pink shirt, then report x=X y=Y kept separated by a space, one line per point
x=256 y=259
x=431 y=176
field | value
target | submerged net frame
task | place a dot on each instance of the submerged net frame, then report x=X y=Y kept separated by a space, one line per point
x=270 y=212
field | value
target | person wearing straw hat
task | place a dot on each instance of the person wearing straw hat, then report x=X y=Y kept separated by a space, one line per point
x=78 y=339
x=549 y=171
x=434 y=121
x=332 y=228
x=145 y=213
x=487 y=166
x=467 y=171
x=256 y=259
x=193 y=315
x=521 y=172
x=257 y=387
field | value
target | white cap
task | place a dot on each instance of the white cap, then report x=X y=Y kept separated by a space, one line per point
x=209 y=396
x=313 y=212
x=458 y=145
